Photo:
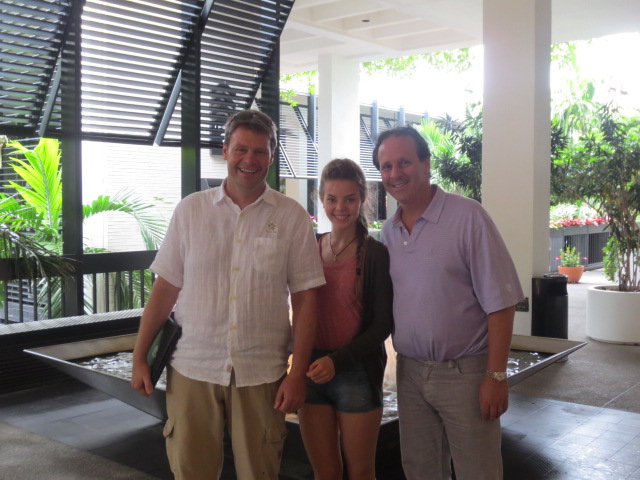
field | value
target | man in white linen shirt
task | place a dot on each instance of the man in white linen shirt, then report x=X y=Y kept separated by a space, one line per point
x=230 y=259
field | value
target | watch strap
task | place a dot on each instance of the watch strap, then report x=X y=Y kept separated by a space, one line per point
x=500 y=376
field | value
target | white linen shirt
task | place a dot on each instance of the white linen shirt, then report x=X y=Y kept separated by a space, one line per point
x=235 y=269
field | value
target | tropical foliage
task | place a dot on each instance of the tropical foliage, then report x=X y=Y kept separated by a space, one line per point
x=32 y=260
x=456 y=152
x=573 y=110
x=450 y=61
x=456 y=61
x=36 y=253
x=36 y=207
x=602 y=168
x=32 y=220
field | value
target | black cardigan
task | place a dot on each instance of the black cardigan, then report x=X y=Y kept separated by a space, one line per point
x=377 y=318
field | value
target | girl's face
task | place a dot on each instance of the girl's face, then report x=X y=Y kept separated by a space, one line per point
x=342 y=202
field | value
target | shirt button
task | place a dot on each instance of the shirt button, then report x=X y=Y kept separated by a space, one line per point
x=406 y=243
x=235 y=269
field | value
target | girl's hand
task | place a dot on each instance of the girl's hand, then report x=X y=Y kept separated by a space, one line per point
x=322 y=370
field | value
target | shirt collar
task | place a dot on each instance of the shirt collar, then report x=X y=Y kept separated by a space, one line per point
x=220 y=194
x=432 y=212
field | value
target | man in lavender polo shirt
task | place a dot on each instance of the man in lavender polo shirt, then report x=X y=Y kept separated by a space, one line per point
x=455 y=289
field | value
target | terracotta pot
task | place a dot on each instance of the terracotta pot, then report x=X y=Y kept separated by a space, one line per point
x=574 y=274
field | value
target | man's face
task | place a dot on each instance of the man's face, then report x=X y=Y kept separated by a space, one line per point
x=248 y=156
x=404 y=176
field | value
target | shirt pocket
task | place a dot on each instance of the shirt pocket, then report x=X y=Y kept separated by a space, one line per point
x=268 y=255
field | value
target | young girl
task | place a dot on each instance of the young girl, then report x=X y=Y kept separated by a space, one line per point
x=343 y=408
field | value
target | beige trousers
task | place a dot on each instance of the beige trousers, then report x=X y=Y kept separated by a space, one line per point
x=198 y=414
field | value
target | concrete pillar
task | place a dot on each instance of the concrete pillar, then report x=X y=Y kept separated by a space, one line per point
x=296 y=188
x=338 y=115
x=516 y=134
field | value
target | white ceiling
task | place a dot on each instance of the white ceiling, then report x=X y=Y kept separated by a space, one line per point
x=378 y=29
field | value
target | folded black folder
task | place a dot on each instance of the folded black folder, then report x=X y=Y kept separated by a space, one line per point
x=162 y=348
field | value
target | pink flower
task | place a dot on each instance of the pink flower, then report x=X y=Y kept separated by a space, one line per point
x=576 y=222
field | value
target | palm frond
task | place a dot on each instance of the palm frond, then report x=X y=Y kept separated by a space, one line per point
x=151 y=227
x=30 y=258
x=41 y=172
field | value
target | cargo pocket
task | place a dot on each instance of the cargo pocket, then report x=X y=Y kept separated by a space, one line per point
x=167 y=431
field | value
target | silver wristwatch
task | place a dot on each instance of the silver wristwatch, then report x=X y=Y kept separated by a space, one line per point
x=500 y=376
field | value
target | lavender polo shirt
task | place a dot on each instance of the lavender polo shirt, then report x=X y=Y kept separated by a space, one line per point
x=448 y=275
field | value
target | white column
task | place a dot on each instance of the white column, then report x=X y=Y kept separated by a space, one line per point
x=338 y=115
x=516 y=134
x=296 y=188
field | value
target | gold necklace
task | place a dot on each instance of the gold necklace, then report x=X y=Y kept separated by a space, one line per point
x=336 y=255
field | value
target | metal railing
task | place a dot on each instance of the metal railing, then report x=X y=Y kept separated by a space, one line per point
x=110 y=282
x=588 y=240
x=120 y=281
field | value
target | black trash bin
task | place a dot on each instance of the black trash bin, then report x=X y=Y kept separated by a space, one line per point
x=550 y=306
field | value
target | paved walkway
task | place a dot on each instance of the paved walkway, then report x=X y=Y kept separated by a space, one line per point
x=599 y=374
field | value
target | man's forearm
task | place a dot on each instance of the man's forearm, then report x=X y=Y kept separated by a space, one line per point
x=500 y=332
x=162 y=299
x=304 y=321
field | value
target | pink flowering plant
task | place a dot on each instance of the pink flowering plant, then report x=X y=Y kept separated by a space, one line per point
x=576 y=222
x=569 y=257
x=574 y=215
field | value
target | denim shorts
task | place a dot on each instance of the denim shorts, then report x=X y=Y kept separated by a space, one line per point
x=348 y=392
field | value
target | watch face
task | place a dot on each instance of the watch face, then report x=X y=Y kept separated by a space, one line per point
x=500 y=376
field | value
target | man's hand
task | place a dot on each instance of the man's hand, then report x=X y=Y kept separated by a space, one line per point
x=141 y=378
x=322 y=370
x=494 y=398
x=161 y=301
x=291 y=394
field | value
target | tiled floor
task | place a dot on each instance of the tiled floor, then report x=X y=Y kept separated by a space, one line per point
x=549 y=439
x=543 y=439
x=90 y=420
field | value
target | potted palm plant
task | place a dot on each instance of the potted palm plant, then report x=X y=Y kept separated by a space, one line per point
x=602 y=168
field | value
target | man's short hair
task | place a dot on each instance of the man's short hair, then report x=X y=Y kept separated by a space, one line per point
x=422 y=148
x=255 y=121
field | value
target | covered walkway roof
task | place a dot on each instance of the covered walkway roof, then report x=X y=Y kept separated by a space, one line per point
x=379 y=29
